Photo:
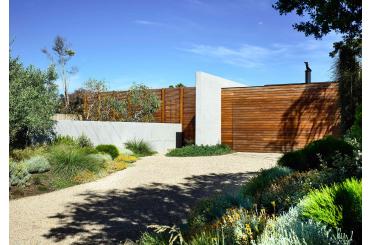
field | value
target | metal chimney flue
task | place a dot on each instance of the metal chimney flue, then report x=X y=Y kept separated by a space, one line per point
x=307 y=73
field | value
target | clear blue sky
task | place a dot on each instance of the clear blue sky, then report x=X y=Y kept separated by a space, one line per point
x=163 y=42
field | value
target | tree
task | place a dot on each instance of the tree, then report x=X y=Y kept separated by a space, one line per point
x=344 y=17
x=341 y=16
x=102 y=106
x=142 y=103
x=347 y=71
x=178 y=85
x=62 y=54
x=33 y=99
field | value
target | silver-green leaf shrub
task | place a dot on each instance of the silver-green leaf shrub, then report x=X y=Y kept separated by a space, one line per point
x=37 y=164
x=289 y=229
x=18 y=174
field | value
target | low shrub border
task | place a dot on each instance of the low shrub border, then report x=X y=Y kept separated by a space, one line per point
x=200 y=150
x=109 y=149
x=47 y=168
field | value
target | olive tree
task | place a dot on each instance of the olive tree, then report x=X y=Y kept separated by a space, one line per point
x=138 y=104
x=33 y=99
x=142 y=103
x=102 y=106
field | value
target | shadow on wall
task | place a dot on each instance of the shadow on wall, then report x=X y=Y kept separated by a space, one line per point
x=309 y=118
x=125 y=214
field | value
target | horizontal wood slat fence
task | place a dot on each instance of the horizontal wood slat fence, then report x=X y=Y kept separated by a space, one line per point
x=278 y=118
x=275 y=118
x=177 y=106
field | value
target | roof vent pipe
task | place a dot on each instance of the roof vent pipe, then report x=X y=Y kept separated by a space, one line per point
x=307 y=73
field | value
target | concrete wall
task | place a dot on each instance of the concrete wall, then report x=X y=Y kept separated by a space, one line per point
x=161 y=136
x=208 y=107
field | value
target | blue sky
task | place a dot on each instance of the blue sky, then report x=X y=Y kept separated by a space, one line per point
x=164 y=42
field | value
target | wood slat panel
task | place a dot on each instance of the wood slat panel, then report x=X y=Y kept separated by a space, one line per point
x=170 y=109
x=278 y=118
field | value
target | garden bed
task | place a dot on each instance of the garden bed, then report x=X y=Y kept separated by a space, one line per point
x=64 y=163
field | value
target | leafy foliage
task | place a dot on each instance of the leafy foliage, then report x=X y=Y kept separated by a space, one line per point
x=112 y=150
x=347 y=70
x=344 y=17
x=289 y=229
x=337 y=206
x=64 y=140
x=199 y=150
x=208 y=210
x=287 y=191
x=241 y=226
x=143 y=103
x=354 y=134
x=28 y=152
x=37 y=164
x=33 y=100
x=84 y=141
x=257 y=184
x=103 y=107
x=316 y=153
x=18 y=174
x=61 y=55
x=139 y=147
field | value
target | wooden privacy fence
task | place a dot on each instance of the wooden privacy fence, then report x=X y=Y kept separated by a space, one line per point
x=177 y=106
x=278 y=118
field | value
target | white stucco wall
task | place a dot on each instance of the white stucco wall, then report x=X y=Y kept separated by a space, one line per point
x=208 y=107
x=161 y=136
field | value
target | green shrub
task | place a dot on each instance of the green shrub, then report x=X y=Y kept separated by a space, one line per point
x=355 y=132
x=109 y=149
x=287 y=191
x=37 y=164
x=33 y=99
x=213 y=237
x=316 y=153
x=84 y=141
x=199 y=150
x=152 y=239
x=65 y=140
x=102 y=156
x=206 y=211
x=23 y=154
x=69 y=161
x=289 y=229
x=18 y=174
x=89 y=150
x=294 y=160
x=139 y=147
x=337 y=206
x=257 y=184
x=348 y=166
x=241 y=226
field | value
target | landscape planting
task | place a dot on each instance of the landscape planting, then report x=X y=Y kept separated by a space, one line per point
x=64 y=162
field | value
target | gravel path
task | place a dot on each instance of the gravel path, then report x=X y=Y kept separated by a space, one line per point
x=156 y=189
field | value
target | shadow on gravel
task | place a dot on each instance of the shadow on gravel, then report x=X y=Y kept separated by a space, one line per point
x=125 y=214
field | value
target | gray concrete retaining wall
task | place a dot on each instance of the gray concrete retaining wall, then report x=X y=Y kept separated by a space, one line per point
x=161 y=136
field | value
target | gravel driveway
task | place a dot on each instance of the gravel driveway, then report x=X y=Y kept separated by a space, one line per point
x=156 y=189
